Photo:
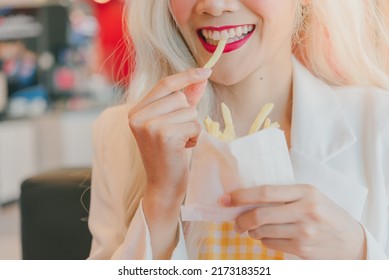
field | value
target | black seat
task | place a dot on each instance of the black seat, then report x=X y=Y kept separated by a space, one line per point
x=54 y=214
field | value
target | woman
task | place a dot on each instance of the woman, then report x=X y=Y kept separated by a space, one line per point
x=333 y=111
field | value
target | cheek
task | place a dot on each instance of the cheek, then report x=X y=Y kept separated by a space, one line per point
x=181 y=10
x=259 y=7
x=279 y=10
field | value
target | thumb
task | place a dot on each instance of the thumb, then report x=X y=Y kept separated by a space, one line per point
x=194 y=92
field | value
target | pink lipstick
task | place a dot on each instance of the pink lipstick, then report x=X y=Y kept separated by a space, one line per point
x=238 y=36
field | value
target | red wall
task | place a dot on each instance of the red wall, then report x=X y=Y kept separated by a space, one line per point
x=115 y=52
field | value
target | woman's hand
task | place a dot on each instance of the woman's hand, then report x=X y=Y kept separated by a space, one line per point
x=164 y=123
x=302 y=222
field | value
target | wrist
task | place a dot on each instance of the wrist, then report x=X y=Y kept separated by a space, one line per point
x=160 y=208
x=163 y=227
x=163 y=199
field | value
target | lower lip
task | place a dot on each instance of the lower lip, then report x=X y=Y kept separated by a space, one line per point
x=229 y=47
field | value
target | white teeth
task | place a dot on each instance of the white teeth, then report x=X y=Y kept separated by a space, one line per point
x=229 y=41
x=224 y=35
x=230 y=34
x=238 y=31
x=216 y=36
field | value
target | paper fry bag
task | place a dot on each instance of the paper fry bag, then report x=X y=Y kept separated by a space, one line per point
x=218 y=167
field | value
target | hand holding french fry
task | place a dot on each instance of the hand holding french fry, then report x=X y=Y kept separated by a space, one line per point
x=164 y=123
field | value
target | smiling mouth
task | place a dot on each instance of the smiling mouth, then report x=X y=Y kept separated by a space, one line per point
x=213 y=35
x=236 y=36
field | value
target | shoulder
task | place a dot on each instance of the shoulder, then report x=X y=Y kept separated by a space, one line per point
x=111 y=128
x=367 y=111
x=111 y=117
x=371 y=95
x=111 y=121
x=367 y=106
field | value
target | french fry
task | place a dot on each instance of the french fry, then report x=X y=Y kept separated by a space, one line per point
x=217 y=54
x=267 y=123
x=216 y=129
x=212 y=127
x=275 y=125
x=229 y=134
x=265 y=111
x=229 y=129
x=208 y=124
x=227 y=116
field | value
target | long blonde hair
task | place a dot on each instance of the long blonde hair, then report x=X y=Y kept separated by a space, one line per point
x=341 y=42
x=346 y=42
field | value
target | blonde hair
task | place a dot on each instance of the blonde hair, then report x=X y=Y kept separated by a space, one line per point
x=346 y=43
x=341 y=42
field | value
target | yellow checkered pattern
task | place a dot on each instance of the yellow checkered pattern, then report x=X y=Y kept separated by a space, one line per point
x=223 y=243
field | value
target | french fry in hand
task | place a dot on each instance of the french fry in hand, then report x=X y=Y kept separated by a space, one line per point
x=217 y=54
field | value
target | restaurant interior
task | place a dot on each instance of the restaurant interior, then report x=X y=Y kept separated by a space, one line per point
x=62 y=62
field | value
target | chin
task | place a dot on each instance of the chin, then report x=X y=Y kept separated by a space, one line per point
x=226 y=78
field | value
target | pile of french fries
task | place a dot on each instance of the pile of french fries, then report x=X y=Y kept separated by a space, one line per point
x=229 y=134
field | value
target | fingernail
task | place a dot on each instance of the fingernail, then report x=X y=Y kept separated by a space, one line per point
x=204 y=72
x=225 y=199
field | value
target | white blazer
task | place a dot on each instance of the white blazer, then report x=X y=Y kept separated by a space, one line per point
x=339 y=143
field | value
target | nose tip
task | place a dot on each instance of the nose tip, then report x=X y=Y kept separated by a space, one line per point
x=217 y=7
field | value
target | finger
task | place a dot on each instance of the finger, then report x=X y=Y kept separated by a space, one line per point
x=173 y=102
x=283 y=214
x=264 y=194
x=194 y=92
x=175 y=133
x=183 y=115
x=282 y=231
x=187 y=133
x=175 y=83
x=164 y=127
x=291 y=246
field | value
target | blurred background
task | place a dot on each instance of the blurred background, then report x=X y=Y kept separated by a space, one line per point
x=61 y=63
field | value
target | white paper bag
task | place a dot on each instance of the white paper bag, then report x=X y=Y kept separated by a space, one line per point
x=219 y=167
